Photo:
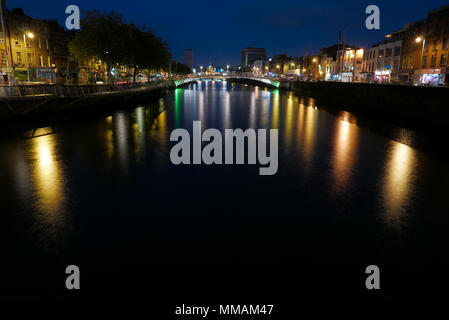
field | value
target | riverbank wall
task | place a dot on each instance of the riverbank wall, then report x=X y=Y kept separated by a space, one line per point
x=36 y=101
x=424 y=108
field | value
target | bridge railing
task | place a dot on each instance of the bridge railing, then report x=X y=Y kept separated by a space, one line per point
x=64 y=91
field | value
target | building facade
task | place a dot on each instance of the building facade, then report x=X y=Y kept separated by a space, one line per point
x=249 y=55
x=349 y=65
x=25 y=47
x=382 y=61
x=435 y=46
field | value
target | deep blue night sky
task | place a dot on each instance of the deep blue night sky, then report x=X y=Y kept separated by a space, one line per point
x=217 y=30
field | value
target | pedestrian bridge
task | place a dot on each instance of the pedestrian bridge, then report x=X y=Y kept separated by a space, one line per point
x=256 y=79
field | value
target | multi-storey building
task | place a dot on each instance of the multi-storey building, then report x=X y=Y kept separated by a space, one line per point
x=327 y=58
x=349 y=64
x=249 y=55
x=25 y=43
x=411 y=54
x=435 y=46
x=381 y=62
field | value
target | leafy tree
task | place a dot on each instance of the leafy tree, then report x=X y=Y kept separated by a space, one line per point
x=108 y=37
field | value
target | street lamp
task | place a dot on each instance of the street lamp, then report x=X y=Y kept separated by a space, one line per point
x=31 y=36
x=316 y=67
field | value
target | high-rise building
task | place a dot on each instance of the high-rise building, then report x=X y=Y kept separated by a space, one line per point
x=188 y=58
x=249 y=55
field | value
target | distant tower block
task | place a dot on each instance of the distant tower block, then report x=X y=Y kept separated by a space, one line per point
x=188 y=58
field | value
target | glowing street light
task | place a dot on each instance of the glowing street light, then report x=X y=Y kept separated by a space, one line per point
x=31 y=36
x=418 y=39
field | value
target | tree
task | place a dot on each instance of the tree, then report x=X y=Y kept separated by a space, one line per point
x=108 y=37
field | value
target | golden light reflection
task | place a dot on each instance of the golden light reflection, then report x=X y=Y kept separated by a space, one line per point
x=138 y=130
x=275 y=111
x=310 y=132
x=48 y=182
x=109 y=138
x=345 y=150
x=159 y=131
x=289 y=120
x=397 y=182
x=301 y=111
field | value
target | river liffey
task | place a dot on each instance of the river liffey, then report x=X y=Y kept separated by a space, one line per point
x=101 y=193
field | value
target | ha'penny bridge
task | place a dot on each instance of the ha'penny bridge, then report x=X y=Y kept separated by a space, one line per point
x=253 y=79
x=25 y=100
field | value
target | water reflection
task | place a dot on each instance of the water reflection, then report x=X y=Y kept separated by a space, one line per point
x=311 y=119
x=345 y=151
x=48 y=183
x=398 y=183
x=275 y=110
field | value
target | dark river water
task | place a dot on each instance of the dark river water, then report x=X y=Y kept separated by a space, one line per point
x=101 y=193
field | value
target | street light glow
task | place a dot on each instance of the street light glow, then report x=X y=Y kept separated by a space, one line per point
x=418 y=39
x=30 y=35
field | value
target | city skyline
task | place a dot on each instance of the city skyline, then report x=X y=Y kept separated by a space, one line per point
x=218 y=34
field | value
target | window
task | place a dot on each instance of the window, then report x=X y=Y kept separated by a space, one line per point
x=39 y=43
x=395 y=65
x=19 y=57
x=3 y=57
x=48 y=61
x=446 y=44
x=443 y=60
x=435 y=45
x=29 y=58
x=379 y=65
x=433 y=60
x=381 y=53
x=426 y=46
x=46 y=43
x=389 y=52
x=41 y=60
x=424 y=61
x=2 y=40
x=17 y=40
x=410 y=62
x=397 y=51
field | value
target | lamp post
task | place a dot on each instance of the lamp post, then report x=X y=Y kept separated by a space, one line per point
x=316 y=67
x=418 y=40
x=31 y=36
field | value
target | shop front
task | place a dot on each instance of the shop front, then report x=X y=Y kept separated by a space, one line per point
x=432 y=77
x=382 y=76
x=406 y=76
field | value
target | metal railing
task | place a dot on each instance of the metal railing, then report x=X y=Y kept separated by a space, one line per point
x=78 y=91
